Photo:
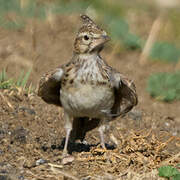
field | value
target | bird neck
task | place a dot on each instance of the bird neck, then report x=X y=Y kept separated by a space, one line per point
x=87 y=56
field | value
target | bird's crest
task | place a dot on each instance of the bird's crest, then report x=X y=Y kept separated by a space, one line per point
x=87 y=20
x=89 y=25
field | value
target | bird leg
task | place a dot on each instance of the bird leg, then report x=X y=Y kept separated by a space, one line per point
x=68 y=128
x=101 y=133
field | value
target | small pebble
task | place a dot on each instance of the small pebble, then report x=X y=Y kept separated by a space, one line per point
x=27 y=110
x=86 y=178
x=21 y=177
x=4 y=177
x=40 y=161
x=174 y=133
x=167 y=124
x=1 y=152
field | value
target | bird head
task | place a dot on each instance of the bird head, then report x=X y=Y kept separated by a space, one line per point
x=90 y=37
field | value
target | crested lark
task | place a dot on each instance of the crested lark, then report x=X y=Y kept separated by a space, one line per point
x=90 y=92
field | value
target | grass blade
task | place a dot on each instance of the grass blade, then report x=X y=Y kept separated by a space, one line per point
x=25 y=79
x=18 y=83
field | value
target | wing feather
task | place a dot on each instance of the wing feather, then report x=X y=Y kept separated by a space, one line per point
x=125 y=95
x=50 y=85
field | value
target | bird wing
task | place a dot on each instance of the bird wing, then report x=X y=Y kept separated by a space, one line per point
x=125 y=95
x=50 y=85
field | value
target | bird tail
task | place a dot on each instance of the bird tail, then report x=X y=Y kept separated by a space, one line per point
x=81 y=126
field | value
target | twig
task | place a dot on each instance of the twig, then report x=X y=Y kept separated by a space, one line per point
x=170 y=159
x=151 y=39
x=50 y=16
x=6 y=100
x=55 y=165
x=162 y=145
x=23 y=3
x=134 y=136
x=101 y=158
x=114 y=139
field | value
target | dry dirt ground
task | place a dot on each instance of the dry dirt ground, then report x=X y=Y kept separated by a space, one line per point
x=31 y=132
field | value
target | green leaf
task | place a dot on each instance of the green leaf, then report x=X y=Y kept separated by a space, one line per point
x=119 y=28
x=165 y=51
x=26 y=77
x=4 y=77
x=6 y=83
x=168 y=171
x=18 y=83
x=176 y=177
x=164 y=86
x=132 y=41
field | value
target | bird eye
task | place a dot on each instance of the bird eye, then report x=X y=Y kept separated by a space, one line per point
x=86 y=37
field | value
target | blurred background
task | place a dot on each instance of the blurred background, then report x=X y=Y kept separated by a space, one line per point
x=38 y=35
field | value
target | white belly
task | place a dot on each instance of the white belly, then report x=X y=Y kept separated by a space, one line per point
x=87 y=100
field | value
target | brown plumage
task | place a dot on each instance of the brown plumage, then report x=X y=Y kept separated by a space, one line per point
x=87 y=88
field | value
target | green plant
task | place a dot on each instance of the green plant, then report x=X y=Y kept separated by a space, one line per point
x=23 y=78
x=164 y=86
x=6 y=83
x=14 y=16
x=168 y=172
x=165 y=51
x=120 y=31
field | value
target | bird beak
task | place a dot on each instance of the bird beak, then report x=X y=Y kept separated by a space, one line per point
x=106 y=38
x=99 y=42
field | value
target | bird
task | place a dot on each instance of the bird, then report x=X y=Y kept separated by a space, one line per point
x=91 y=92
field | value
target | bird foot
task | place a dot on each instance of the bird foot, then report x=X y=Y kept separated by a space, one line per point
x=103 y=145
x=67 y=158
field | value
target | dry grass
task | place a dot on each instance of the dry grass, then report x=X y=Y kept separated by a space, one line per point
x=138 y=157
